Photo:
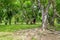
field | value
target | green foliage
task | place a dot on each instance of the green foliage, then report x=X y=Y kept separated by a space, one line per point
x=25 y=10
x=27 y=4
x=44 y=2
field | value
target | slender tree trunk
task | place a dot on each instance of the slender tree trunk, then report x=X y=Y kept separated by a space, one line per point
x=54 y=12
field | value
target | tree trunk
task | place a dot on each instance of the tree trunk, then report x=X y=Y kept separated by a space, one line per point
x=44 y=16
x=54 y=12
x=44 y=19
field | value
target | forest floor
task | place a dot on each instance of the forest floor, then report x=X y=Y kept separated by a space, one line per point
x=30 y=34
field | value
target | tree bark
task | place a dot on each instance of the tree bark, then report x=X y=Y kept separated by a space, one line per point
x=44 y=16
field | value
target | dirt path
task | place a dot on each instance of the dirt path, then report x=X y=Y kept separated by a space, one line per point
x=30 y=34
x=36 y=34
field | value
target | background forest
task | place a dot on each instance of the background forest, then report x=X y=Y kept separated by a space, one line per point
x=28 y=14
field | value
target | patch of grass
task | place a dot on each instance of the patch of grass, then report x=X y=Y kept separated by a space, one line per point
x=6 y=38
x=57 y=28
x=12 y=28
x=33 y=38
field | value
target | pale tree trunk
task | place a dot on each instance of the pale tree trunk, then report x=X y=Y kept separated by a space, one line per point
x=44 y=12
x=44 y=16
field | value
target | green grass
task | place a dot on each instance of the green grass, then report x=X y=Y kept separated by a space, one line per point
x=6 y=38
x=57 y=28
x=33 y=38
x=12 y=28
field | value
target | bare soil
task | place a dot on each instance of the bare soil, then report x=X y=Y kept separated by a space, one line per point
x=37 y=34
x=32 y=34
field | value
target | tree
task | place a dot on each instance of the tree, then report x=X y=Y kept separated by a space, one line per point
x=44 y=5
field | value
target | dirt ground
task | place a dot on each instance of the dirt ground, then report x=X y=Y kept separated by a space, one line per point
x=32 y=34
